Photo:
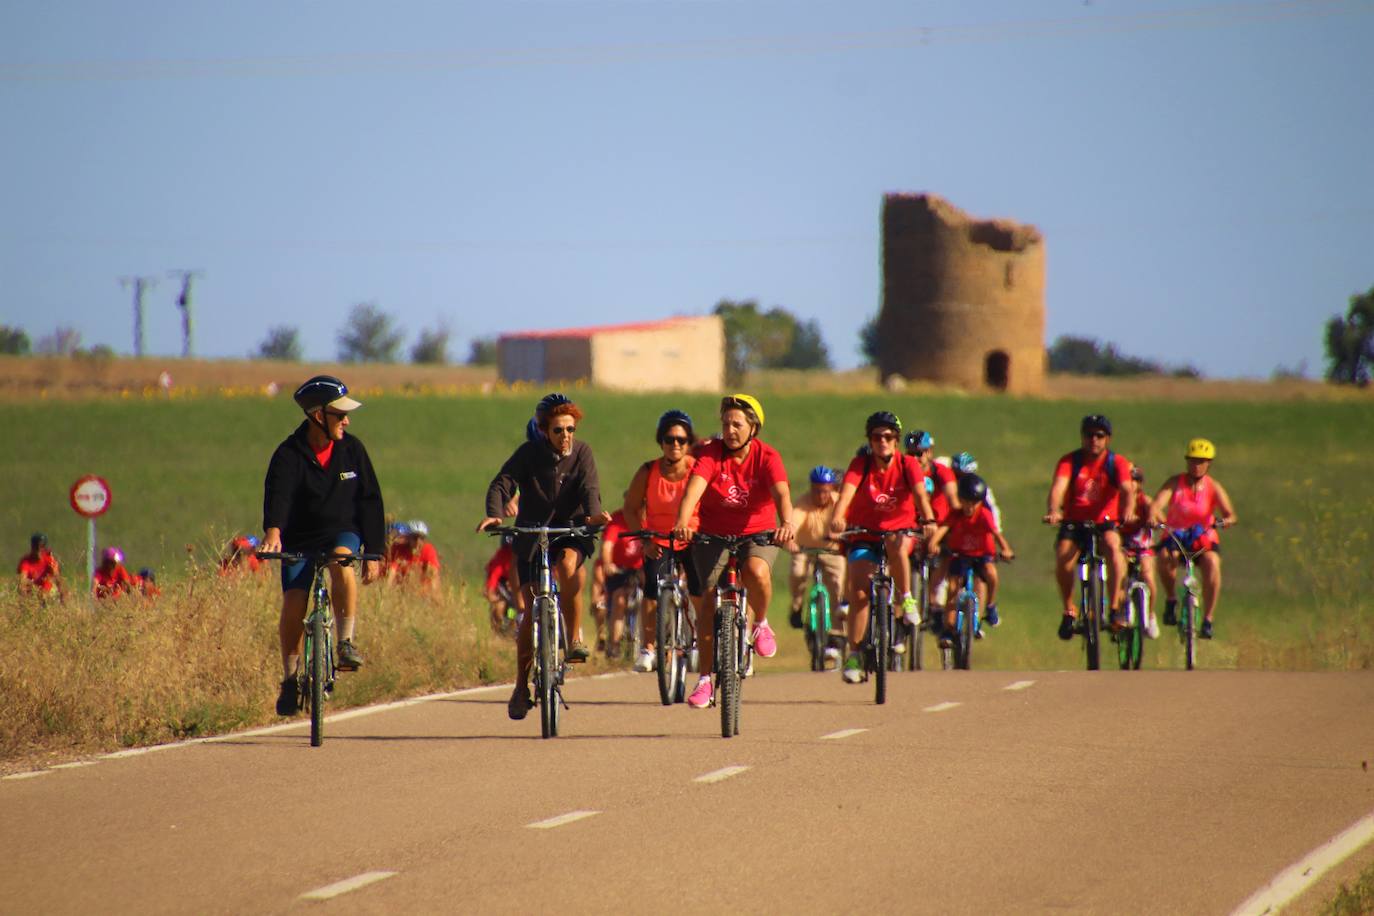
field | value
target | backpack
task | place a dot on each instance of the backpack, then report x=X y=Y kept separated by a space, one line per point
x=1113 y=475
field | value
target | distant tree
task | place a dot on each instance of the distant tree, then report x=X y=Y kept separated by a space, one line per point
x=282 y=342
x=432 y=347
x=1350 y=342
x=1086 y=356
x=99 y=351
x=369 y=336
x=482 y=351
x=1284 y=373
x=64 y=341
x=868 y=341
x=772 y=339
x=13 y=341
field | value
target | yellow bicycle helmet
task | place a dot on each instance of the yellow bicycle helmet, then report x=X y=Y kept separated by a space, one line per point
x=1202 y=449
x=747 y=403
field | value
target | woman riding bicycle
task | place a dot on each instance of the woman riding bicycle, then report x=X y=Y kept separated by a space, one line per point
x=652 y=502
x=556 y=478
x=1190 y=504
x=882 y=489
x=738 y=483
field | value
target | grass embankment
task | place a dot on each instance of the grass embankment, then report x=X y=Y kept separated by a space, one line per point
x=187 y=473
x=1355 y=899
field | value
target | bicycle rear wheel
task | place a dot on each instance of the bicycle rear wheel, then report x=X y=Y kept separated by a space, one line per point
x=727 y=669
x=818 y=624
x=547 y=651
x=968 y=621
x=1140 y=606
x=665 y=644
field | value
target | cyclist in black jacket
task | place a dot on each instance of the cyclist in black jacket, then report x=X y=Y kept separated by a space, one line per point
x=321 y=494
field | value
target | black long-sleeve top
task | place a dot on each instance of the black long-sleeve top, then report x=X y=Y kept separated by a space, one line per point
x=313 y=504
x=554 y=489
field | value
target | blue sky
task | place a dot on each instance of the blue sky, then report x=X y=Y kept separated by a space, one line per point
x=1201 y=170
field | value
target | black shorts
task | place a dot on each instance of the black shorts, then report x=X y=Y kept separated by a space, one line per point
x=617 y=581
x=527 y=548
x=959 y=563
x=658 y=569
x=1081 y=537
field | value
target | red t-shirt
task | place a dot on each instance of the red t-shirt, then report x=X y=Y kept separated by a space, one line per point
x=115 y=582
x=883 y=499
x=972 y=535
x=626 y=553
x=324 y=454
x=739 y=494
x=40 y=573
x=403 y=556
x=1091 y=496
x=499 y=566
x=1137 y=534
x=940 y=474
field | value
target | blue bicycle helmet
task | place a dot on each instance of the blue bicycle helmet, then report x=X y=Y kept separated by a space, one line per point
x=400 y=530
x=549 y=402
x=964 y=463
x=919 y=440
x=324 y=391
x=671 y=418
x=822 y=474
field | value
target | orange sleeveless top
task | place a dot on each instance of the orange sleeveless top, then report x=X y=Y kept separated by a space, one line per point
x=662 y=498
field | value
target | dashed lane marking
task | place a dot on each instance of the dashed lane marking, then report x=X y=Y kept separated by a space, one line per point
x=346 y=885
x=722 y=773
x=941 y=707
x=1018 y=685
x=562 y=819
x=843 y=733
x=1295 y=879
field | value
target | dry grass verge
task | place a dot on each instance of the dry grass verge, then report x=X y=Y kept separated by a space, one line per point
x=79 y=678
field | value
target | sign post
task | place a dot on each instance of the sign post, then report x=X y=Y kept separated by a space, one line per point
x=90 y=497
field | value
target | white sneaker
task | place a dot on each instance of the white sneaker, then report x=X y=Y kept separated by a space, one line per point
x=830 y=658
x=645 y=661
x=853 y=669
x=749 y=672
x=1152 y=626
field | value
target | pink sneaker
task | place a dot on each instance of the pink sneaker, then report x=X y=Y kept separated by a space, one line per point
x=765 y=643
x=701 y=697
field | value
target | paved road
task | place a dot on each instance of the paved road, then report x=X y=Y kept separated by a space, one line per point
x=1165 y=792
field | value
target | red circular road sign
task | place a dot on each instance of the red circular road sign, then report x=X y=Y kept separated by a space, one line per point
x=90 y=496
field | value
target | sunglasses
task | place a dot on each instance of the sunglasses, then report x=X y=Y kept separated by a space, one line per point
x=883 y=437
x=1095 y=434
x=336 y=414
x=675 y=440
x=562 y=430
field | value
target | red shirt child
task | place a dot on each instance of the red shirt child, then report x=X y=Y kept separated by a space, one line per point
x=38 y=572
x=112 y=581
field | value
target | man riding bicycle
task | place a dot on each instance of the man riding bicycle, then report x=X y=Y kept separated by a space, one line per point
x=1091 y=484
x=556 y=477
x=1190 y=504
x=321 y=495
x=885 y=490
x=739 y=483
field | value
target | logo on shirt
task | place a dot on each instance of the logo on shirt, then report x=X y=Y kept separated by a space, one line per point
x=737 y=495
x=347 y=475
x=884 y=502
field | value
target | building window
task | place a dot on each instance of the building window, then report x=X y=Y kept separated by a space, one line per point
x=997 y=370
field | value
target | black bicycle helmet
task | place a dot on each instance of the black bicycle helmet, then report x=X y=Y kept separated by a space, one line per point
x=1095 y=421
x=324 y=391
x=881 y=419
x=918 y=440
x=671 y=418
x=972 y=489
x=38 y=539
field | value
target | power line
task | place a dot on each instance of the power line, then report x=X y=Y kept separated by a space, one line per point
x=1210 y=16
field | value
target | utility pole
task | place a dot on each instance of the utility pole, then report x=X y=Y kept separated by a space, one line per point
x=141 y=285
x=184 y=303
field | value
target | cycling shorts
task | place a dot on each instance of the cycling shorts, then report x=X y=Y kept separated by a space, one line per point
x=708 y=563
x=865 y=552
x=300 y=575
x=1081 y=537
x=527 y=548
x=961 y=563
x=658 y=569
x=617 y=581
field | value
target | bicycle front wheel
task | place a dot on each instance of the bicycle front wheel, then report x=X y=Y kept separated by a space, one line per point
x=665 y=645
x=1189 y=619
x=818 y=622
x=1092 y=620
x=316 y=654
x=727 y=670
x=547 y=652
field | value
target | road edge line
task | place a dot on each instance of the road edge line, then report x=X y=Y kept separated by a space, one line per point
x=1301 y=875
x=330 y=891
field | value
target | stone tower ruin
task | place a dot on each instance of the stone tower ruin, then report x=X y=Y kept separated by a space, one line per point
x=963 y=299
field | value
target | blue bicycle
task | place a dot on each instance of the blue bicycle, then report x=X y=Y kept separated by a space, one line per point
x=968 y=622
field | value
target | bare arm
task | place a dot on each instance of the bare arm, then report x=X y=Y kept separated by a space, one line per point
x=691 y=496
x=782 y=499
x=936 y=538
x=1228 y=514
x=837 y=521
x=636 y=505
x=1054 y=503
x=1161 y=504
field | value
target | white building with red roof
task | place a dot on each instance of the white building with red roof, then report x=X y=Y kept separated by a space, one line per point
x=675 y=354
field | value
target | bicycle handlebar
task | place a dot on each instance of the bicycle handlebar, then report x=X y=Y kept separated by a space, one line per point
x=320 y=558
x=735 y=541
x=852 y=533
x=574 y=530
x=645 y=534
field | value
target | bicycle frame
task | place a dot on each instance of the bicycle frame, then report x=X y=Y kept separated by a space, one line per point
x=817 y=620
x=966 y=618
x=673 y=638
x=733 y=648
x=1092 y=588
x=878 y=634
x=1187 y=588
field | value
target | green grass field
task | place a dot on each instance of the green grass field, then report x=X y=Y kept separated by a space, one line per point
x=187 y=473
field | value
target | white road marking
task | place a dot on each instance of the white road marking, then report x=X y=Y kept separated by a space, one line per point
x=1293 y=880
x=843 y=733
x=718 y=775
x=561 y=820
x=346 y=885
x=274 y=729
x=941 y=707
x=1018 y=685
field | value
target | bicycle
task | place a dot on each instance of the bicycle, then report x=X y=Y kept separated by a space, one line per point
x=877 y=642
x=734 y=649
x=631 y=639
x=816 y=621
x=316 y=669
x=1130 y=642
x=920 y=587
x=674 y=633
x=549 y=638
x=1092 y=588
x=1190 y=590
x=968 y=623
